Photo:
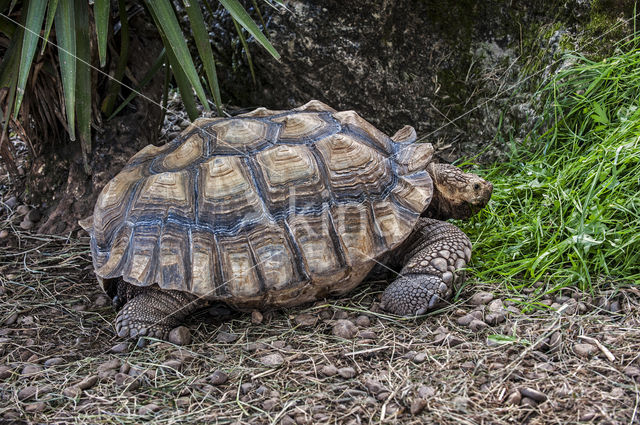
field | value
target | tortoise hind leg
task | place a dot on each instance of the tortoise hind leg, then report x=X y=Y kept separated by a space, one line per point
x=428 y=278
x=153 y=312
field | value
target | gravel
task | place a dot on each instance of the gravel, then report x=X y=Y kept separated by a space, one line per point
x=180 y=336
x=345 y=329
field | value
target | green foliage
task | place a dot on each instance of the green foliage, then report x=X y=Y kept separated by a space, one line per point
x=567 y=210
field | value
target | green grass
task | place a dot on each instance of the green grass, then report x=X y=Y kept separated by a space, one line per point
x=566 y=206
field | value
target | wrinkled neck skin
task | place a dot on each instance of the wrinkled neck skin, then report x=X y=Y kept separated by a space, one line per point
x=457 y=194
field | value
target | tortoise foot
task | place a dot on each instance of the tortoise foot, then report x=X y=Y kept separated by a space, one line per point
x=415 y=294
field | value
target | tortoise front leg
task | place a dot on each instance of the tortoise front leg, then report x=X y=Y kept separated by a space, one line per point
x=428 y=278
x=153 y=312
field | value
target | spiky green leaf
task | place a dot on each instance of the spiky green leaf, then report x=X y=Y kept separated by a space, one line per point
x=83 y=80
x=51 y=13
x=35 y=16
x=101 y=13
x=66 y=36
x=239 y=14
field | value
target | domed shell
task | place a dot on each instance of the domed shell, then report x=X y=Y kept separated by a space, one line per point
x=266 y=208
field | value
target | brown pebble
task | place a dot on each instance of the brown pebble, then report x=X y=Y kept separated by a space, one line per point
x=127 y=382
x=533 y=394
x=420 y=357
x=584 y=350
x=426 y=391
x=347 y=372
x=269 y=404
x=226 y=337
x=125 y=368
x=26 y=224
x=34 y=215
x=514 y=398
x=4 y=234
x=13 y=317
x=477 y=325
x=272 y=360
x=374 y=386
x=72 y=392
x=180 y=336
x=148 y=408
x=109 y=365
x=87 y=382
x=494 y=318
x=305 y=319
x=340 y=315
x=54 y=361
x=480 y=298
x=32 y=391
x=329 y=370
x=382 y=396
x=465 y=320
x=528 y=402
x=367 y=334
x=173 y=364
x=363 y=321
x=38 y=406
x=345 y=329
x=632 y=371
x=22 y=209
x=102 y=301
x=5 y=372
x=418 y=405
x=246 y=387
x=287 y=420
x=218 y=377
x=31 y=370
x=495 y=306
x=256 y=317
x=120 y=348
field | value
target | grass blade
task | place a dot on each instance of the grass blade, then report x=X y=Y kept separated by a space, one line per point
x=184 y=85
x=33 y=24
x=201 y=37
x=101 y=16
x=114 y=85
x=83 y=81
x=51 y=12
x=239 y=14
x=167 y=22
x=66 y=36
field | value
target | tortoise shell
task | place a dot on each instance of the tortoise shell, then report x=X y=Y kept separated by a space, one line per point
x=266 y=208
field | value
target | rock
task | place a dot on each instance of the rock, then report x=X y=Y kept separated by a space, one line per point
x=528 y=402
x=5 y=372
x=460 y=403
x=514 y=398
x=11 y=202
x=533 y=394
x=584 y=350
x=465 y=320
x=26 y=224
x=305 y=319
x=420 y=357
x=495 y=306
x=554 y=341
x=363 y=321
x=102 y=301
x=180 y=336
x=347 y=372
x=226 y=337
x=173 y=364
x=477 y=325
x=272 y=360
x=72 y=392
x=345 y=329
x=120 y=348
x=340 y=315
x=246 y=387
x=614 y=307
x=374 y=386
x=87 y=382
x=632 y=371
x=148 y=409
x=31 y=370
x=22 y=209
x=54 y=361
x=418 y=405
x=367 y=334
x=38 y=406
x=269 y=404
x=218 y=377
x=34 y=215
x=481 y=298
x=494 y=318
x=287 y=420
x=4 y=233
x=426 y=392
x=109 y=365
x=32 y=391
x=329 y=370
x=79 y=307
x=127 y=382
x=256 y=317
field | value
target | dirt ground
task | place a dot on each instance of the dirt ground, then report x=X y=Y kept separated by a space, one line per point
x=337 y=361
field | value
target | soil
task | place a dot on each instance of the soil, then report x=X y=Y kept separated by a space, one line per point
x=572 y=360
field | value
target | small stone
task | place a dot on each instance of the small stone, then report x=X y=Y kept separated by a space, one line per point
x=477 y=325
x=31 y=370
x=304 y=319
x=256 y=317
x=218 y=377
x=514 y=398
x=226 y=337
x=426 y=392
x=173 y=364
x=494 y=318
x=4 y=233
x=180 y=336
x=246 y=387
x=480 y=298
x=32 y=391
x=5 y=372
x=272 y=360
x=87 y=382
x=495 y=306
x=120 y=348
x=495 y=366
x=468 y=365
x=79 y=307
x=329 y=370
x=340 y=315
x=278 y=344
x=410 y=355
x=347 y=372
x=460 y=403
x=102 y=301
x=363 y=321
x=269 y=404
x=109 y=365
x=632 y=371
x=554 y=341
x=420 y=357
x=127 y=382
x=588 y=416
x=287 y=420
x=440 y=339
x=465 y=320
x=614 y=307
x=125 y=368
x=38 y=406
x=584 y=350
x=533 y=394
x=382 y=396
x=453 y=341
x=528 y=402
x=367 y=334
x=345 y=329
x=34 y=215
x=418 y=405
x=148 y=409
x=22 y=209
x=26 y=224
x=11 y=202
x=54 y=361
x=374 y=386
x=72 y=392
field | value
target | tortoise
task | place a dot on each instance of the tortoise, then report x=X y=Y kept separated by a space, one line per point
x=278 y=208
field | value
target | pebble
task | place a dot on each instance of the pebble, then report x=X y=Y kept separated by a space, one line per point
x=4 y=233
x=533 y=394
x=465 y=320
x=269 y=404
x=480 y=298
x=22 y=209
x=34 y=215
x=72 y=392
x=180 y=336
x=526 y=401
x=218 y=377
x=109 y=365
x=329 y=370
x=420 y=357
x=120 y=348
x=418 y=405
x=632 y=371
x=102 y=301
x=347 y=372
x=514 y=398
x=128 y=382
x=87 y=382
x=345 y=329
x=340 y=315
x=226 y=337
x=26 y=224
x=461 y=404
x=256 y=317
x=246 y=387
x=374 y=386
x=31 y=391
x=495 y=306
x=305 y=319
x=38 y=406
x=477 y=325
x=614 y=307
x=287 y=420
x=148 y=408
x=125 y=368
x=363 y=321
x=31 y=370
x=584 y=350
x=494 y=318
x=367 y=334
x=173 y=364
x=54 y=361
x=11 y=202
x=5 y=372
x=272 y=360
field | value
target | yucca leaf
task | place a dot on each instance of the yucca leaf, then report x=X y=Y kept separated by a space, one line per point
x=101 y=17
x=257 y=9
x=66 y=36
x=83 y=81
x=246 y=50
x=145 y=80
x=10 y=62
x=239 y=14
x=6 y=26
x=167 y=23
x=51 y=12
x=114 y=85
x=13 y=4
x=33 y=24
x=201 y=37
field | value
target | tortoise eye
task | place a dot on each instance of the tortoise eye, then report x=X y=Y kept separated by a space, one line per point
x=476 y=186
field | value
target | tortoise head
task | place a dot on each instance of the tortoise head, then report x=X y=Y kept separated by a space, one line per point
x=456 y=194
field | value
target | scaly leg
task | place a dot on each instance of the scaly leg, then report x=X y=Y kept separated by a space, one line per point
x=437 y=251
